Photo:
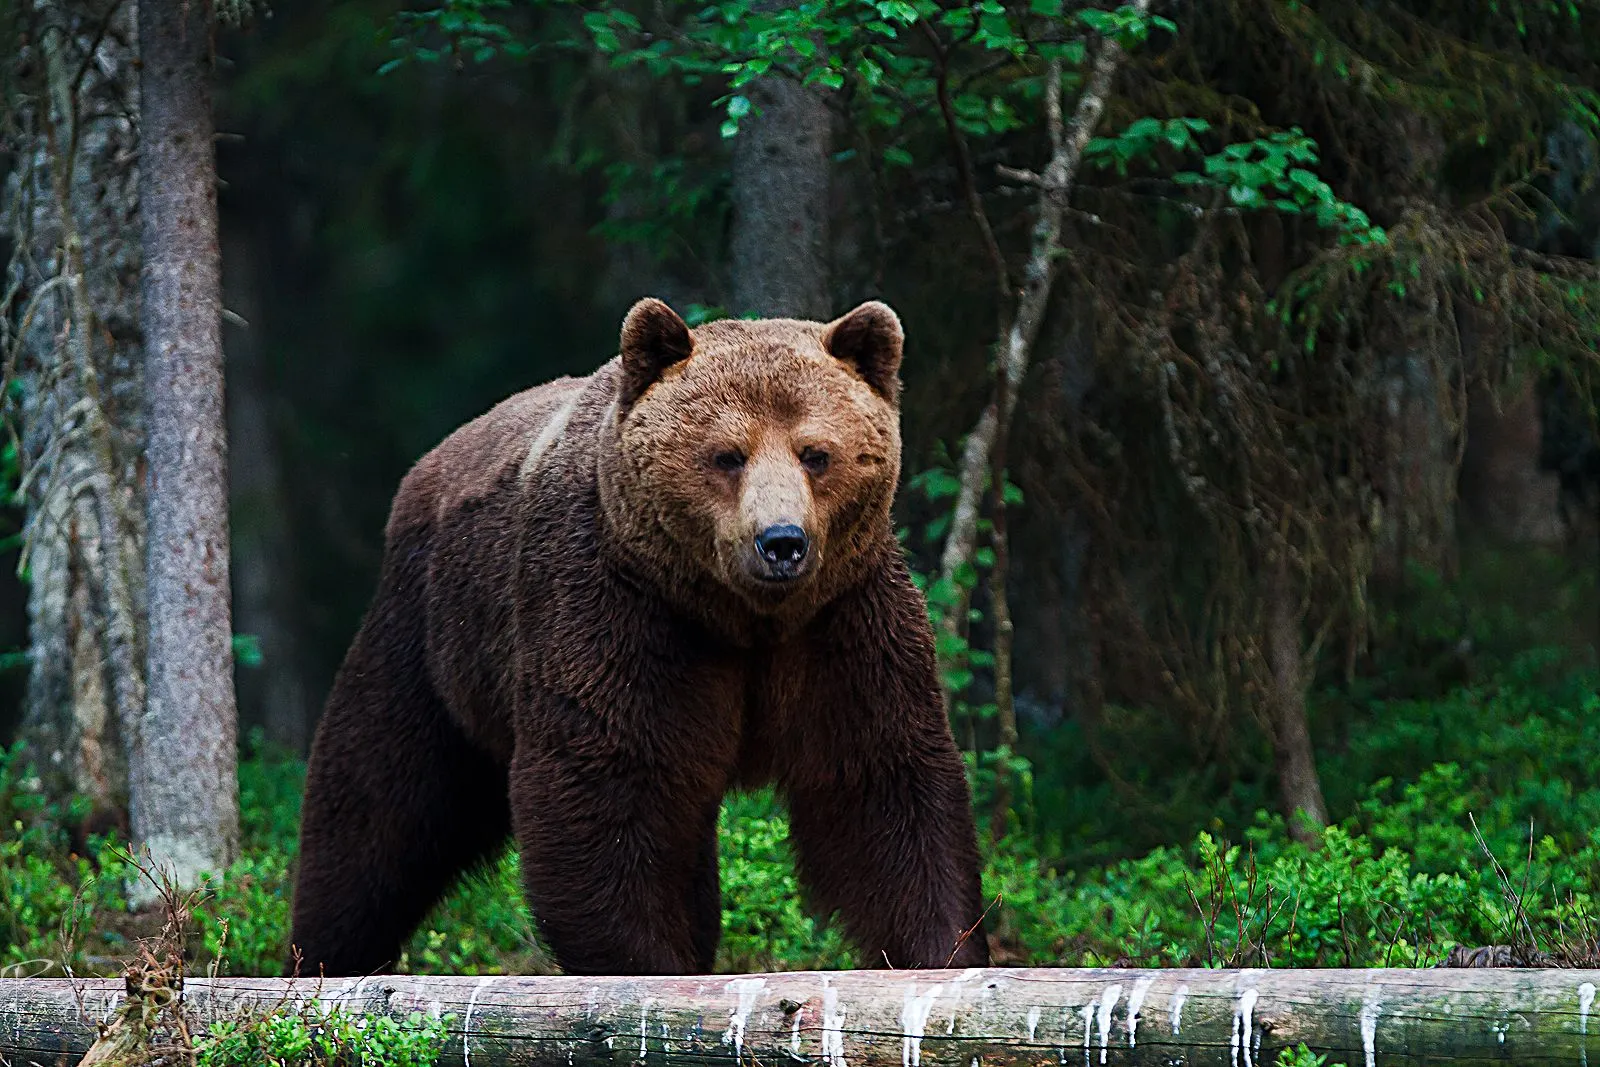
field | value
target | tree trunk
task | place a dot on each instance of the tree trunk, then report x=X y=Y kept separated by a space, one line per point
x=74 y=332
x=1200 y=1018
x=183 y=764
x=1418 y=526
x=1299 y=787
x=272 y=696
x=779 y=239
x=1503 y=489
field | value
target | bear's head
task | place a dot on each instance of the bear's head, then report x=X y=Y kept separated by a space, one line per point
x=764 y=454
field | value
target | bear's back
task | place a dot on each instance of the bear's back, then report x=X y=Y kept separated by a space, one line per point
x=466 y=499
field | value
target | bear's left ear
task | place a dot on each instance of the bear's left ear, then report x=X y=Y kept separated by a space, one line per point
x=653 y=339
x=870 y=340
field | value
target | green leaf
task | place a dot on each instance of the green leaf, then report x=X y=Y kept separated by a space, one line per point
x=1145 y=127
x=944 y=593
x=957 y=679
x=1244 y=195
x=247 y=650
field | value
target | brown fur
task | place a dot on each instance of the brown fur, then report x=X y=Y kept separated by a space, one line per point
x=570 y=642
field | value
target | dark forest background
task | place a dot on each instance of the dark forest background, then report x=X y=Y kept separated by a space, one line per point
x=1304 y=481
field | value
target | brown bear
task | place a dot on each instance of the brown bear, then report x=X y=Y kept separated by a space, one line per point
x=608 y=602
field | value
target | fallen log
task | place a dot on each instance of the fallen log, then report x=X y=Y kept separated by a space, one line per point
x=975 y=1018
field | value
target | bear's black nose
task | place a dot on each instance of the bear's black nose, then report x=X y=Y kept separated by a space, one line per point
x=783 y=545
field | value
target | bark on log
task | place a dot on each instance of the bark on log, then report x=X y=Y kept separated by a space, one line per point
x=910 y=1018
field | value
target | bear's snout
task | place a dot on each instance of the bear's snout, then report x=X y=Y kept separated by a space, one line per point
x=782 y=550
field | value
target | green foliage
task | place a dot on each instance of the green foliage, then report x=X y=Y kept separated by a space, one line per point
x=763 y=925
x=284 y=1038
x=1301 y=1056
x=987 y=65
x=482 y=927
x=1491 y=843
x=1272 y=171
x=49 y=895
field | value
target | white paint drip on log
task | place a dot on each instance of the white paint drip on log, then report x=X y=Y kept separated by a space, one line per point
x=914 y=1023
x=644 y=1013
x=832 y=1026
x=748 y=991
x=958 y=995
x=1088 y=1028
x=1585 y=1002
x=1369 y=1027
x=1244 y=1014
x=466 y=1025
x=1178 y=997
x=1141 y=989
x=1033 y=1022
x=1108 y=1001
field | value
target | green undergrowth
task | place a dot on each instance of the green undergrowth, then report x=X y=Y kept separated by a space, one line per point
x=285 y=1038
x=1495 y=842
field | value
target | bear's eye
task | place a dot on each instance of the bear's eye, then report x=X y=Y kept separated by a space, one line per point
x=729 y=461
x=814 y=460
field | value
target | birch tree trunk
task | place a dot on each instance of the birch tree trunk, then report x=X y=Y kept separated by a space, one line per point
x=183 y=769
x=780 y=203
x=71 y=327
x=1016 y=344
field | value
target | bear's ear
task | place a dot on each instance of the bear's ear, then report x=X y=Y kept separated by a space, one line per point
x=653 y=339
x=870 y=340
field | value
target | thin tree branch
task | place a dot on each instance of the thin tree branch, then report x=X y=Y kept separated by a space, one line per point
x=1066 y=152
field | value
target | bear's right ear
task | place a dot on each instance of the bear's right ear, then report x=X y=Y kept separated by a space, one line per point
x=653 y=339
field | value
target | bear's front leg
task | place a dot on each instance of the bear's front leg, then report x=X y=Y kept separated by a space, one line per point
x=880 y=813
x=619 y=859
x=890 y=844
